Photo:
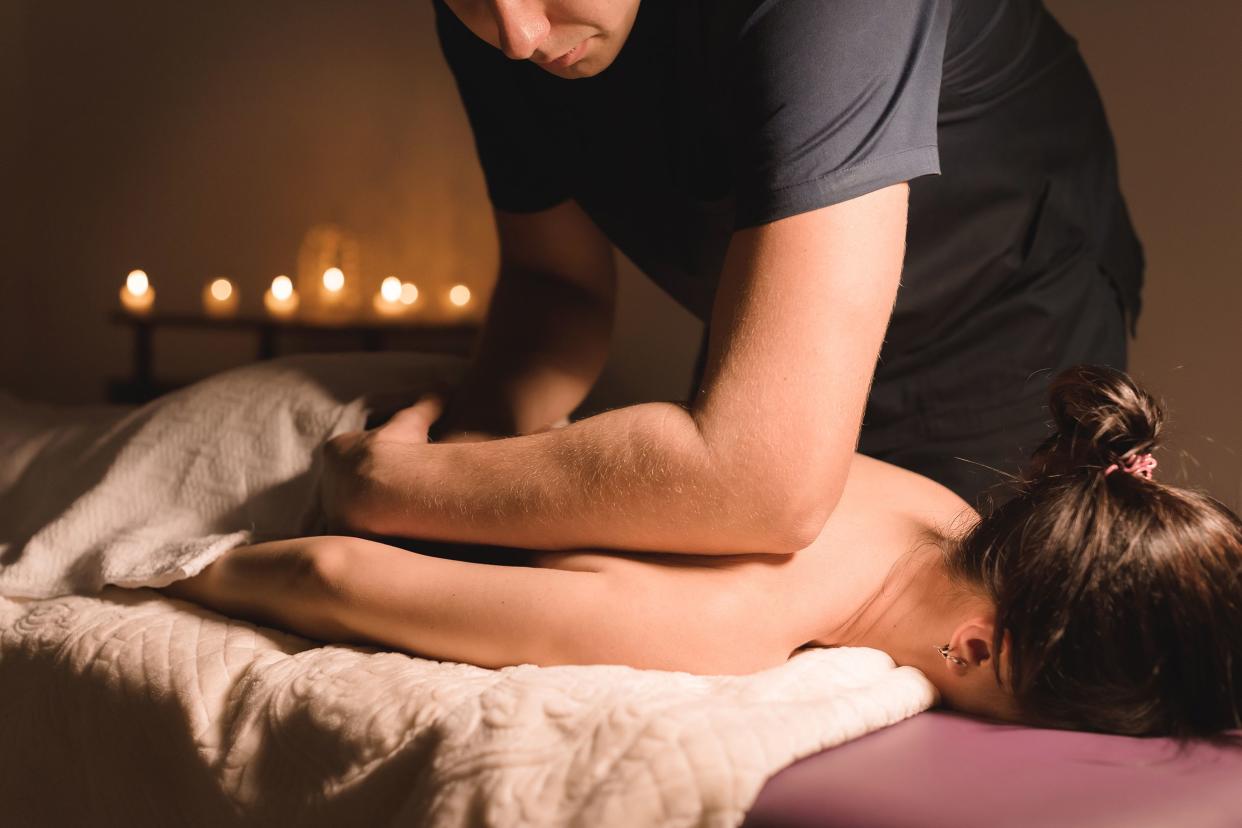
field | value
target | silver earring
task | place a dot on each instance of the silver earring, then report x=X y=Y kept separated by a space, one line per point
x=945 y=651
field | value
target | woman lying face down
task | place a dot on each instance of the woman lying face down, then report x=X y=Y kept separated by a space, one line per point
x=1097 y=598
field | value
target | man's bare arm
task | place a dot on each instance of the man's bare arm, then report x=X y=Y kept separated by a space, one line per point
x=548 y=326
x=757 y=462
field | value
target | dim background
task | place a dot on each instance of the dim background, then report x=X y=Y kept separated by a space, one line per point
x=203 y=139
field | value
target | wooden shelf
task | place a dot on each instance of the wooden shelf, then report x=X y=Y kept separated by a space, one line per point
x=293 y=324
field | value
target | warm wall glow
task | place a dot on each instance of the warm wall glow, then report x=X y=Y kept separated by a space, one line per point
x=282 y=287
x=459 y=295
x=137 y=282
x=390 y=289
x=221 y=290
x=333 y=280
x=409 y=293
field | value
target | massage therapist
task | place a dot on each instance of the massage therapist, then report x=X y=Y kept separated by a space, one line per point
x=931 y=183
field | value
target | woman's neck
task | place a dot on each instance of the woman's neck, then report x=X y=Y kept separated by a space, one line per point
x=914 y=610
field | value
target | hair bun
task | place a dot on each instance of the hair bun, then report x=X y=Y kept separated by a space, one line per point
x=1101 y=416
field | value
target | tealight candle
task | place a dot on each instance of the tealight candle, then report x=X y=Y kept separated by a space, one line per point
x=220 y=298
x=280 y=299
x=137 y=295
x=388 y=300
x=333 y=285
x=459 y=295
x=409 y=293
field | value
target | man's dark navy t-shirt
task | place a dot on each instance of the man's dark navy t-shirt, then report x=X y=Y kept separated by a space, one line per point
x=724 y=114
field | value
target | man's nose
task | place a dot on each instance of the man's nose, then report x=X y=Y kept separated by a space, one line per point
x=522 y=25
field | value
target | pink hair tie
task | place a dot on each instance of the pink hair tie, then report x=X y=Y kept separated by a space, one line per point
x=1140 y=465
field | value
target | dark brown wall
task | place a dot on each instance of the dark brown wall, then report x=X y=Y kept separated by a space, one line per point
x=201 y=139
x=194 y=140
x=1171 y=78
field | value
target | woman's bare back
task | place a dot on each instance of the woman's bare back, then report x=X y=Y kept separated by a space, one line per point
x=758 y=609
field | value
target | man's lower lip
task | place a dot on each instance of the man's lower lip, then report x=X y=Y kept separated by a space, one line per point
x=569 y=58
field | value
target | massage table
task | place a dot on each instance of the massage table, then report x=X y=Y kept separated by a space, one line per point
x=121 y=706
x=941 y=769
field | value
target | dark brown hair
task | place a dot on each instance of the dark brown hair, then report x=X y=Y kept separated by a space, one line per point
x=1121 y=597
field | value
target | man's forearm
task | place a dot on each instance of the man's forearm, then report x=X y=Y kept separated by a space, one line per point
x=639 y=478
x=544 y=346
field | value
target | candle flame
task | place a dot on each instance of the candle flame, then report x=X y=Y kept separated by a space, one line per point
x=390 y=289
x=137 y=282
x=409 y=293
x=459 y=295
x=282 y=287
x=333 y=279
x=221 y=290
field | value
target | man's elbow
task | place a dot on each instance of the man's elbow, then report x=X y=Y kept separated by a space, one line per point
x=794 y=519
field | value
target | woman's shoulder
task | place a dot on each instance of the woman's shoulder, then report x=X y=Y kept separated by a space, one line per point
x=876 y=485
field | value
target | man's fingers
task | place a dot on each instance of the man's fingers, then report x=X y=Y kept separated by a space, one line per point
x=413 y=422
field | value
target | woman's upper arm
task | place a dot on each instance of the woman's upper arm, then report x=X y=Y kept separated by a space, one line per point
x=482 y=614
x=352 y=590
x=796 y=330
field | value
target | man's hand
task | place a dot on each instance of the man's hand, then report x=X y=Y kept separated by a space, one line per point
x=359 y=465
x=350 y=458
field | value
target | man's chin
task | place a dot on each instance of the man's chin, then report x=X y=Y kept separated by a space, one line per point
x=588 y=67
x=575 y=72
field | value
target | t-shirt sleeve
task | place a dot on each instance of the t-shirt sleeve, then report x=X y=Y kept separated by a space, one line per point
x=522 y=164
x=833 y=99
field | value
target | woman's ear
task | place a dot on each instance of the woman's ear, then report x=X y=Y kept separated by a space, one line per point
x=972 y=642
x=978 y=691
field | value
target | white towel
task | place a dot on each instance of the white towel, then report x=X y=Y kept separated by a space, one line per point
x=157 y=494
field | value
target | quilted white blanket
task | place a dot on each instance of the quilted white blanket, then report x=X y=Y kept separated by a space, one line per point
x=124 y=707
x=129 y=709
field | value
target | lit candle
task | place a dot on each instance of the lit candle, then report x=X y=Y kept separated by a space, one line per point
x=460 y=295
x=280 y=299
x=333 y=285
x=220 y=298
x=388 y=300
x=409 y=293
x=137 y=296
